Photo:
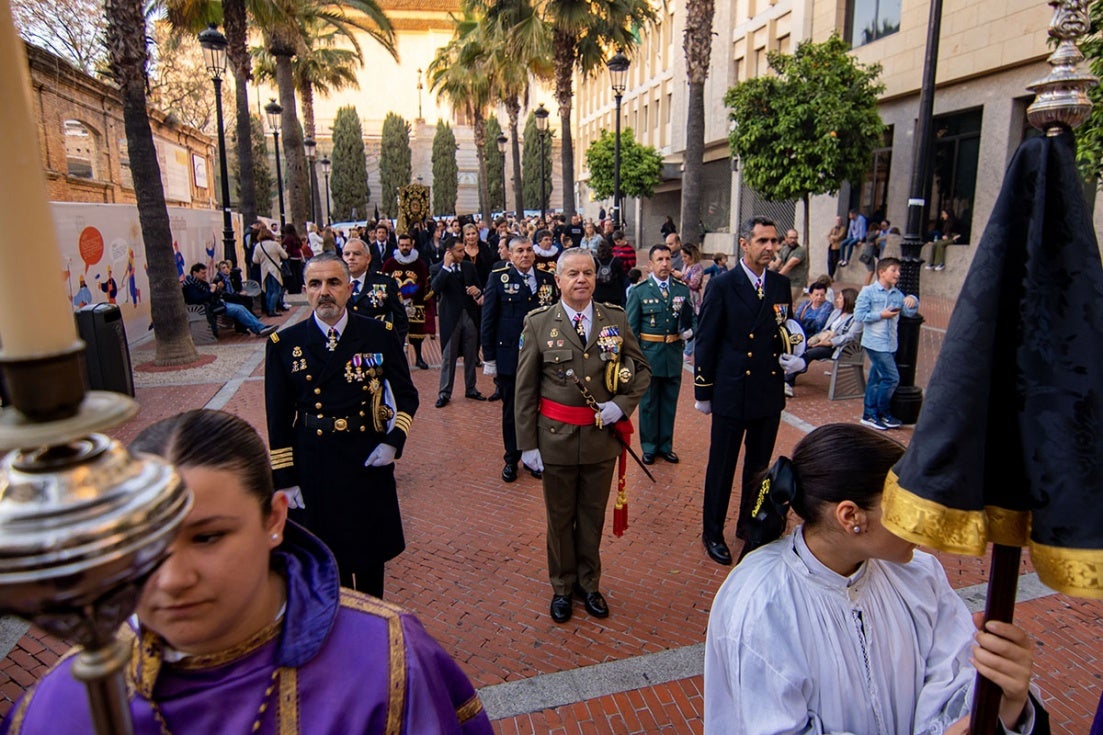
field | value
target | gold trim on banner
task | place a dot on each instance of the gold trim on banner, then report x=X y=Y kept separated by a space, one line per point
x=926 y=522
x=1076 y=572
x=1008 y=527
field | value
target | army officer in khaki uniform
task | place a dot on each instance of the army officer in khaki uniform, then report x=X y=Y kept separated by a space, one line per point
x=558 y=432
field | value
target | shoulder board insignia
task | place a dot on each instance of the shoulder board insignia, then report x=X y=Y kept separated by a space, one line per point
x=677 y=280
x=389 y=325
x=275 y=337
x=614 y=307
x=500 y=270
x=540 y=309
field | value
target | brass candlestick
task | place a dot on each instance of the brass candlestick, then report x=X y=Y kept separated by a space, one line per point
x=83 y=522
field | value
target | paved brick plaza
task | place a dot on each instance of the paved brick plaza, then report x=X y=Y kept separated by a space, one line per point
x=474 y=570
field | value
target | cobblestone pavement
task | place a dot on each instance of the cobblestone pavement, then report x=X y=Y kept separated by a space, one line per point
x=474 y=570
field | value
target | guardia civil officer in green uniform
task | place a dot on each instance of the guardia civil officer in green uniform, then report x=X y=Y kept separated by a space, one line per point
x=558 y=432
x=662 y=317
x=340 y=402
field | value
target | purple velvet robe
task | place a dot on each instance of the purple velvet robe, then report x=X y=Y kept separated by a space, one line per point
x=348 y=663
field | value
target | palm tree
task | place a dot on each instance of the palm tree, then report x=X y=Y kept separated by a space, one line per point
x=460 y=74
x=193 y=16
x=128 y=54
x=284 y=38
x=321 y=68
x=520 y=49
x=583 y=34
x=697 y=44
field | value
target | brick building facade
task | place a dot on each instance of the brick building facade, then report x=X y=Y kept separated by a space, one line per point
x=82 y=141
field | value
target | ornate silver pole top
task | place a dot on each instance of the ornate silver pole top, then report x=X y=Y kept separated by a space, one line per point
x=1061 y=101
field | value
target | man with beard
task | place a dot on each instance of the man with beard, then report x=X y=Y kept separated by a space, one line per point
x=340 y=402
x=407 y=269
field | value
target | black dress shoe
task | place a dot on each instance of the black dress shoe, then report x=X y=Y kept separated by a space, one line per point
x=593 y=601
x=475 y=396
x=670 y=457
x=561 y=608
x=509 y=472
x=718 y=551
x=495 y=396
x=648 y=458
x=442 y=401
x=421 y=364
x=538 y=474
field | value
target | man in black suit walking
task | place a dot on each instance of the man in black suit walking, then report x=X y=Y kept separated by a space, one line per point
x=340 y=402
x=512 y=291
x=456 y=281
x=738 y=379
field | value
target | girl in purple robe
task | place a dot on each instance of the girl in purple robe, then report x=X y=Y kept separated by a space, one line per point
x=244 y=628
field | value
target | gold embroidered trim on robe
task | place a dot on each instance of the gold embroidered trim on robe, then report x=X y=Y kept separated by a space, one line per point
x=1071 y=571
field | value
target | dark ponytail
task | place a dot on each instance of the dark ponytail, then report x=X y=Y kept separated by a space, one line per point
x=833 y=463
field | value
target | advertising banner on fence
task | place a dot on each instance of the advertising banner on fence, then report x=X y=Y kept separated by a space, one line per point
x=105 y=260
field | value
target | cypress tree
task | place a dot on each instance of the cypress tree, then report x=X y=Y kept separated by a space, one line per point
x=494 y=163
x=348 y=180
x=395 y=166
x=445 y=170
x=530 y=164
x=264 y=181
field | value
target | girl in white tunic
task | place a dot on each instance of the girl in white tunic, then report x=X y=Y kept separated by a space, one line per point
x=842 y=627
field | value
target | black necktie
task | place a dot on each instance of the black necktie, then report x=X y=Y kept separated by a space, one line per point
x=580 y=327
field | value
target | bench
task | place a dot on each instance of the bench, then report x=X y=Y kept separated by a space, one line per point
x=198 y=325
x=848 y=379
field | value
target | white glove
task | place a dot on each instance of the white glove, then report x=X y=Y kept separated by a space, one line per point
x=704 y=407
x=490 y=368
x=381 y=456
x=610 y=413
x=687 y=335
x=791 y=364
x=531 y=459
x=294 y=496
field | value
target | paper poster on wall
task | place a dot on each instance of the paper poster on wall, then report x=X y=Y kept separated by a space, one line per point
x=176 y=171
x=199 y=170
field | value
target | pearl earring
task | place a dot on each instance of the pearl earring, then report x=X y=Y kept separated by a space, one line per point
x=276 y=536
x=857 y=529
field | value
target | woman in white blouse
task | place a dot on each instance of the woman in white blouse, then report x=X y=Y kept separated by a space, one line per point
x=841 y=627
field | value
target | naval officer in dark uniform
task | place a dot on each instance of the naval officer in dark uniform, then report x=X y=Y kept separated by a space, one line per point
x=374 y=294
x=662 y=317
x=738 y=377
x=557 y=431
x=340 y=403
x=511 y=292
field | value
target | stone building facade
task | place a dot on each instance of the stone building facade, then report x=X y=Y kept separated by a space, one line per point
x=82 y=141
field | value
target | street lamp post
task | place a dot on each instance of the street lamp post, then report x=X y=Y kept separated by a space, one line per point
x=502 y=140
x=618 y=77
x=273 y=110
x=311 y=149
x=325 y=172
x=541 y=115
x=214 y=45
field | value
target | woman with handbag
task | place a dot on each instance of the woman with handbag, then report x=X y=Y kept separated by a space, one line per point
x=273 y=267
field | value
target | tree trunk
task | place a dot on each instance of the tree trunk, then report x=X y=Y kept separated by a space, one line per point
x=694 y=163
x=125 y=39
x=697 y=46
x=480 y=156
x=233 y=15
x=307 y=95
x=513 y=109
x=292 y=138
x=806 y=200
x=564 y=94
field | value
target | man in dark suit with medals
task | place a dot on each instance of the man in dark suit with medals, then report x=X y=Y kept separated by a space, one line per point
x=512 y=291
x=340 y=403
x=558 y=429
x=374 y=294
x=661 y=316
x=738 y=378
